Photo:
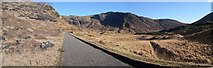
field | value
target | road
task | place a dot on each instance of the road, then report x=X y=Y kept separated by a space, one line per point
x=78 y=53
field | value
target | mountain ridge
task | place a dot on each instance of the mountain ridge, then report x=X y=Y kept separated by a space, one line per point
x=206 y=19
x=120 y=21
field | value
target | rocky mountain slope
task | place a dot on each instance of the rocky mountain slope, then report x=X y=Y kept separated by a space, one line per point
x=122 y=22
x=32 y=10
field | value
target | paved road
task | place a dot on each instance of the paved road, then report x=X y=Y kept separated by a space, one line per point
x=78 y=53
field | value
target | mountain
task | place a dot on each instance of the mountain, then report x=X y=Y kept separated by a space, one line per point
x=203 y=24
x=199 y=31
x=119 y=21
x=207 y=19
x=202 y=30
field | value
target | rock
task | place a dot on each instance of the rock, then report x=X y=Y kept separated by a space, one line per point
x=61 y=50
x=101 y=42
x=4 y=46
x=102 y=33
x=24 y=36
x=71 y=32
x=149 y=37
x=166 y=37
x=2 y=38
x=142 y=38
x=182 y=44
x=27 y=37
x=31 y=30
x=45 y=45
x=17 y=42
x=152 y=38
x=179 y=36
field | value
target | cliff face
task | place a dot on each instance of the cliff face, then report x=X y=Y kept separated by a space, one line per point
x=122 y=22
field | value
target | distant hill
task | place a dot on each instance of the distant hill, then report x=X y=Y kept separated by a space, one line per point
x=122 y=22
x=199 y=31
x=204 y=30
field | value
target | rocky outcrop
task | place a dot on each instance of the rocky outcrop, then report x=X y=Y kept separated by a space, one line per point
x=119 y=21
x=45 y=45
x=32 y=10
x=25 y=26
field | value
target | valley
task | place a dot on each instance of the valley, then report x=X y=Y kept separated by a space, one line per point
x=33 y=34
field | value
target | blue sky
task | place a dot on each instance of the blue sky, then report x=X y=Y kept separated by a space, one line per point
x=187 y=12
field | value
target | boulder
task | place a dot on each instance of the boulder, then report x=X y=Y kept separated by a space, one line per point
x=2 y=37
x=4 y=46
x=45 y=45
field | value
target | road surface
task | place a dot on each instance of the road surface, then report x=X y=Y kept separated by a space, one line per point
x=78 y=53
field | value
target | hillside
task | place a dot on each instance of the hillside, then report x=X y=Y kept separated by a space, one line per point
x=204 y=27
x=122 y=22
x=37 y=11
x=27 y=25
x=206 y=19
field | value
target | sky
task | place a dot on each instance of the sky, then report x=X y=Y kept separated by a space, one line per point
x=187 y=12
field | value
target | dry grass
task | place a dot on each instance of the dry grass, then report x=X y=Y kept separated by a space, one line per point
x=141 y=50
x=23 y=36
x=34 y=56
